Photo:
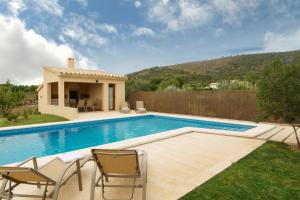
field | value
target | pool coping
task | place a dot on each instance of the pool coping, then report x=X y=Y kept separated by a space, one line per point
x=258 y=130
x=137 y=141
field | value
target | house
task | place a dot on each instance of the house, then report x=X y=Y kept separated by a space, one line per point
x=64 y=87
x=214 y=86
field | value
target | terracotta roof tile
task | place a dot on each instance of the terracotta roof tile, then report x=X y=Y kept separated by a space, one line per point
x=82 y=72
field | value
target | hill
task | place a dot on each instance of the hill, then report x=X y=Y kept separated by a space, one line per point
x=200 y=73
x=233 y=66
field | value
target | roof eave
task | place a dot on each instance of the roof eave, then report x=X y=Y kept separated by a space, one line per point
x=50 y=70
x=92 y=76
x=40 y=87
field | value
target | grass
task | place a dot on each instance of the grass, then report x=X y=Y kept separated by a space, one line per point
x=270 y=172
x=32 y=119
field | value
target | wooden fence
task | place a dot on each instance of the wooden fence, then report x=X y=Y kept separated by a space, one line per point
x=222 y=104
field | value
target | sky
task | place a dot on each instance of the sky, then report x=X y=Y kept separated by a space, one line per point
x=124 y=36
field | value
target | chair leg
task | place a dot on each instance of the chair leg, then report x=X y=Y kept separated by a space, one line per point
x=144 y=179
x=55 y=195
x=144 y=192
x=79 y=175
x=93 y=182
x=45 y=192
x=35 y=165
x=2 y=189
x=3 y=193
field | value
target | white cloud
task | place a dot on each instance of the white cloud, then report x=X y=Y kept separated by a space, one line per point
x=161 y=11
x=282 y=42
x=232 y=11
x=85 y=30
x=143 y=31
x=181 y=14
x=83 y=3
x=108 y=28
x=84 y=62
x=229 y=9
x=83 y=37
x=15 y=6
x=50 y=6
x=219 y=32
x=137 y=4
x=193 y=13
x=23 y=52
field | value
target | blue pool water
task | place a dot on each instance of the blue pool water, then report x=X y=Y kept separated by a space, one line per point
x=19 y=144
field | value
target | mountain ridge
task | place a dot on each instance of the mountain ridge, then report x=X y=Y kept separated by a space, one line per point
x=205 y=71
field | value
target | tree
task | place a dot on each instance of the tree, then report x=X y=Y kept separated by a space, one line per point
x=10 y=97
x=278 y=93
x=172 y=82
x=252 y=77
x=154 y=83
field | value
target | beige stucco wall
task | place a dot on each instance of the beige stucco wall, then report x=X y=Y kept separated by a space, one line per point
x=66 y=112
x=97 y=89
x=103 y=92
x=120 y=93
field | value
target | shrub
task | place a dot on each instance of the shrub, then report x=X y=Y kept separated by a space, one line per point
x=25 y=114
x=278 y=93
x=12 y=117
x=36 y=111
x=30 y=111
x=10 y=97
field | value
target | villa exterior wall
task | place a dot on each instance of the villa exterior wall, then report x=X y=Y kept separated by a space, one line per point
x=120 y=94
x=96 y=88
x=96 y=92
x=66 y=112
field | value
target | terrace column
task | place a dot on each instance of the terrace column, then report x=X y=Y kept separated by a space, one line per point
x=105 y=97
x=119 y=94
x=61 y=93
x=48 y=94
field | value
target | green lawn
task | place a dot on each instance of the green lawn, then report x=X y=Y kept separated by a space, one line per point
x=270 y=172
x=32 y=119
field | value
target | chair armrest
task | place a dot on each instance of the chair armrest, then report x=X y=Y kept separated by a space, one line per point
x=74 y=163
x=33 y=159
x=144 y=164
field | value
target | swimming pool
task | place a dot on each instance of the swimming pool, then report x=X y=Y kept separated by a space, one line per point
x=19 y=144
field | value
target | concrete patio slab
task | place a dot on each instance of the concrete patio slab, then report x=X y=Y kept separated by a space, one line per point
x=101 y=115
x=176 y=166
x=292 y=138
x=282 y=135
x=272 y=132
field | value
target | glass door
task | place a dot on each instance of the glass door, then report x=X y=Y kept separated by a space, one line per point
x=111 y=96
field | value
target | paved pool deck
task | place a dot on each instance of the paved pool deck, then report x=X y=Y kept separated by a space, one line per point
x=278 y=133
x=90 y=116
x=179 y=160
x=176 y=165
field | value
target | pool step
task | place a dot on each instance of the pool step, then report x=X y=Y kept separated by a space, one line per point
x=292 y=138
x=282 y=135
x=270 y=133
